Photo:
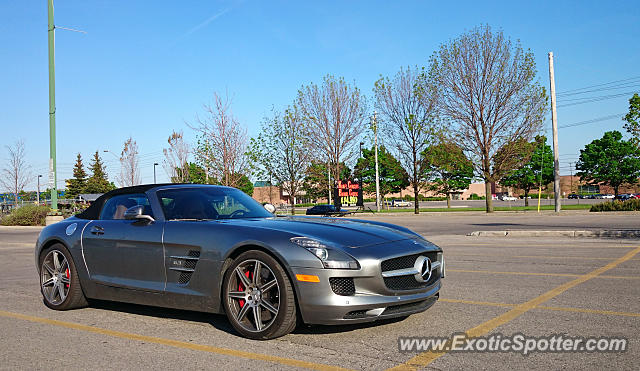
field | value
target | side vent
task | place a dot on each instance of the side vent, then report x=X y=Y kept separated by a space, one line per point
x=185 y=264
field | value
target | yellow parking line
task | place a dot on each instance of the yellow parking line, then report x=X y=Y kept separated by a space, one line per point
x=536 y=256
x=539 y=274
x=562 y=309
x=554 y=245
x=172 y=343
x=425 y=358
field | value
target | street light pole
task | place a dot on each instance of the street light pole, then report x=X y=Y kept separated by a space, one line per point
x=374 y=124
x=53 y=176
x=38 y=193
x=154 y=172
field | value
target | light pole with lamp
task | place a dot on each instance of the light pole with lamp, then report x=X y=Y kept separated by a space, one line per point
x=154 y=172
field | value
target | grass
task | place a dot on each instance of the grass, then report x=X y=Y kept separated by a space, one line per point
x=462 y=209
x=500 y=208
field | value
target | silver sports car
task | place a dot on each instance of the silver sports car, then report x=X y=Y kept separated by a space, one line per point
x=214 y=249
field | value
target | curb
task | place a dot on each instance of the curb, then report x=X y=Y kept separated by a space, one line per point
x=610 y=233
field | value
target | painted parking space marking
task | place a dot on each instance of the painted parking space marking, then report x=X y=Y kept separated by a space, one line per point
x=172 y=343
x=540 y=274
x=543 y=307
x=554 y=257
x=425 y=358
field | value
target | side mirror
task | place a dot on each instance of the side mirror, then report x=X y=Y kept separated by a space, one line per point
x=270 y=208
x=136 y=213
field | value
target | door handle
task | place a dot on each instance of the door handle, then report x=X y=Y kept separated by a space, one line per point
x=96 y=229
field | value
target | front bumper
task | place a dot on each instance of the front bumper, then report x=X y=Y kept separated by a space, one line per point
x=320 y=305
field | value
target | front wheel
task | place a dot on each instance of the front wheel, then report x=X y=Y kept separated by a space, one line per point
x=59 y=282
x=258 y=297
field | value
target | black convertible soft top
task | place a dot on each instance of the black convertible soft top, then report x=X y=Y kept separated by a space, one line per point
x=93 y=211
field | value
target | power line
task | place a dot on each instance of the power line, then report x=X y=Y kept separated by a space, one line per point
x=596 y=99
x=597 y=85
x=599 y=119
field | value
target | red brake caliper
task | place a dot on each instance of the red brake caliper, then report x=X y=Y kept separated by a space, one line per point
x=241 y=288
x=67 y=274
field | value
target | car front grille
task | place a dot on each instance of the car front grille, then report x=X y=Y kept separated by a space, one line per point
x=411 y=307
x=408 y=282
x=342 y=286
x=406 y=261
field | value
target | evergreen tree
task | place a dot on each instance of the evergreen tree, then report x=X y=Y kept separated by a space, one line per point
x=98 y=182
x=78 y=183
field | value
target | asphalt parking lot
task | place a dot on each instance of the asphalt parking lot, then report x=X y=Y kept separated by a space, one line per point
x=534 y=286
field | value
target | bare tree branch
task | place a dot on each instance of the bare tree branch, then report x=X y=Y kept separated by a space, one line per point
x=488 y=93
x=17 y=172
x=129 y=164
x=334 y=115
x=407 y=104
x=176 y=158
x=222 y=149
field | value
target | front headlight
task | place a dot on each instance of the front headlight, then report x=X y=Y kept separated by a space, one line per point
x=330 y=257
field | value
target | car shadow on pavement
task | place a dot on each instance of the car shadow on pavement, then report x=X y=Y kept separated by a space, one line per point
x=219 y=321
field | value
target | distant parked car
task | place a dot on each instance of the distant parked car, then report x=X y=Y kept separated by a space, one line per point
x=608 y=196
x=507 y=198
x=400 y=203
x=573 y=196
x=626 y=196
x=325 y=209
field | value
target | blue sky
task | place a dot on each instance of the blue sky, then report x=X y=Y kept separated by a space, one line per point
x=146 y=68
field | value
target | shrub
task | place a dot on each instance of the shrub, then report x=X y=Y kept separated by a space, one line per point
x=27 y=215
x=628 y=205
x=474 y=196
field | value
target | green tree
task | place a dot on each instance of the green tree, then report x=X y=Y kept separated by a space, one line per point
x=610 y=160
x=315 y=182
x=245 y=185
x=98 y=182
x=633 y=119
x=78 y=183
x=538 y=169
x=451 y=170
x=393 y=177
x=195 y=174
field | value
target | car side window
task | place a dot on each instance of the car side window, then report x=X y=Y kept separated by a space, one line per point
x=115 y=207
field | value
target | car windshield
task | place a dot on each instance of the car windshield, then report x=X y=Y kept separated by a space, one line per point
x=209 y=203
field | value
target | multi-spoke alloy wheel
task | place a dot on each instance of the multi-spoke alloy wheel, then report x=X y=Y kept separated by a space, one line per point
x=54 y=279
x=258 y=297
x=59 y=281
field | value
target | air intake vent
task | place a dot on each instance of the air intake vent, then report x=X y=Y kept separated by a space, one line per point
x=342 y=286
x=184 y=266
x=184 y=277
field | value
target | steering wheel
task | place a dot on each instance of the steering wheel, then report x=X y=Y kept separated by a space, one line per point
x=237 y=212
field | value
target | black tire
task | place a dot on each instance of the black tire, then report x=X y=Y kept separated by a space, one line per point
x=75 y=297
x=281 y=323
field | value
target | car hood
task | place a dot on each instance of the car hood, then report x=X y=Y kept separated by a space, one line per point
x=336 y=231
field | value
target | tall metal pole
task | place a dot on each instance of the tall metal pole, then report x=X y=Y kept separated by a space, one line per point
x=554 y=121
x=53 y=176
x=38 y=193
x=154 y=172
x=329 y=175
x=374 y=123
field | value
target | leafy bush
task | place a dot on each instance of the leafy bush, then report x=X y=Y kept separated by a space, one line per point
x=27 y=215
x=474 y=196
x=628 y=205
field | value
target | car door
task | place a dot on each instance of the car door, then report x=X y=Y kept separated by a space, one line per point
x=125 y=253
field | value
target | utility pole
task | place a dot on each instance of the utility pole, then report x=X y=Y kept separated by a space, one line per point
x=554 y=122
x=53 y=176
x=374 y=124
x=329 y=182
x=154 y=172
x=38 y=193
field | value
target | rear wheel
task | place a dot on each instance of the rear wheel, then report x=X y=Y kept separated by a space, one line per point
x=59 y=281
x=258 y=297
